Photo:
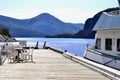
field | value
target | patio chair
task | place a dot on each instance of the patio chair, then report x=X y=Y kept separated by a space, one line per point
x=28 y=55
x=11 y=54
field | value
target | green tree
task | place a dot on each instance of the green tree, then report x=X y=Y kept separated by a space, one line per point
x=4 y=32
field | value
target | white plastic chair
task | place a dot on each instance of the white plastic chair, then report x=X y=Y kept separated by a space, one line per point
x=28 y=55
x=24 y=55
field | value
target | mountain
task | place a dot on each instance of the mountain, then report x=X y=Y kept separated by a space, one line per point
x=16 y=28
x=87 y=32
x=80 y=26
x=39 y=26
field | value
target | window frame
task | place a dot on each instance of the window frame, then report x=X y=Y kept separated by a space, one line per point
x=108 y=44
x=98 y=43
x=118 y=46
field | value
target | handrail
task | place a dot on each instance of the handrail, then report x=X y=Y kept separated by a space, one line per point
x=104 y=54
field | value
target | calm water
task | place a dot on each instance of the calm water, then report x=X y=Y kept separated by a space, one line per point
x=74 y=46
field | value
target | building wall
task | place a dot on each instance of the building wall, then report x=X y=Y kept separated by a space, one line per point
x=114 y=34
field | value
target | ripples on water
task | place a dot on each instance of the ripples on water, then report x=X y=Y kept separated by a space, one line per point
x=74 y=46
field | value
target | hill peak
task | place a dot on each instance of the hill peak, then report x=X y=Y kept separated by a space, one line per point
x=45 y=15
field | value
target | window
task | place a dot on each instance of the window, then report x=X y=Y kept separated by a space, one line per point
x=108 y=44
x=118 y=44
x=98 y=43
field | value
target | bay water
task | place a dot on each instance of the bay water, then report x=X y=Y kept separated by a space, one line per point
x=72 y=45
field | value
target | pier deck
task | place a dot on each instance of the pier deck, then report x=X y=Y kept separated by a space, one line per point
x=48 y=65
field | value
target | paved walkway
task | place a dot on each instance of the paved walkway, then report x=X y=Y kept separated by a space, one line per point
x=48 y=65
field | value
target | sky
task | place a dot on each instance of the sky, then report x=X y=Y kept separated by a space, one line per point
x=75 y=11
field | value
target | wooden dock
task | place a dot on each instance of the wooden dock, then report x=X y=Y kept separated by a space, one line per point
x=48 y=65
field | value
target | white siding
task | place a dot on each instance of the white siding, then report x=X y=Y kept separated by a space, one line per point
x=114 y=34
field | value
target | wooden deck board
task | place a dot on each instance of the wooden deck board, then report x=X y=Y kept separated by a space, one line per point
x=48 y=65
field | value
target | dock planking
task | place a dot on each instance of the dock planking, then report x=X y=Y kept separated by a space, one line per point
x=48 y=65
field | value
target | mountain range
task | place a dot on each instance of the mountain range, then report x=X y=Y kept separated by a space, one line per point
x=40 y=26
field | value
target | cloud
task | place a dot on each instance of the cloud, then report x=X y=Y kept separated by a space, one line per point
x=66 y=14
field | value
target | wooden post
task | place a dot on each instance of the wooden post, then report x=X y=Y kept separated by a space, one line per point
x=44 y=45
x=36 y=46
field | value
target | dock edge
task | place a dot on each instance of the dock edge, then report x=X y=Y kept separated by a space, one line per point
x=104 y=70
